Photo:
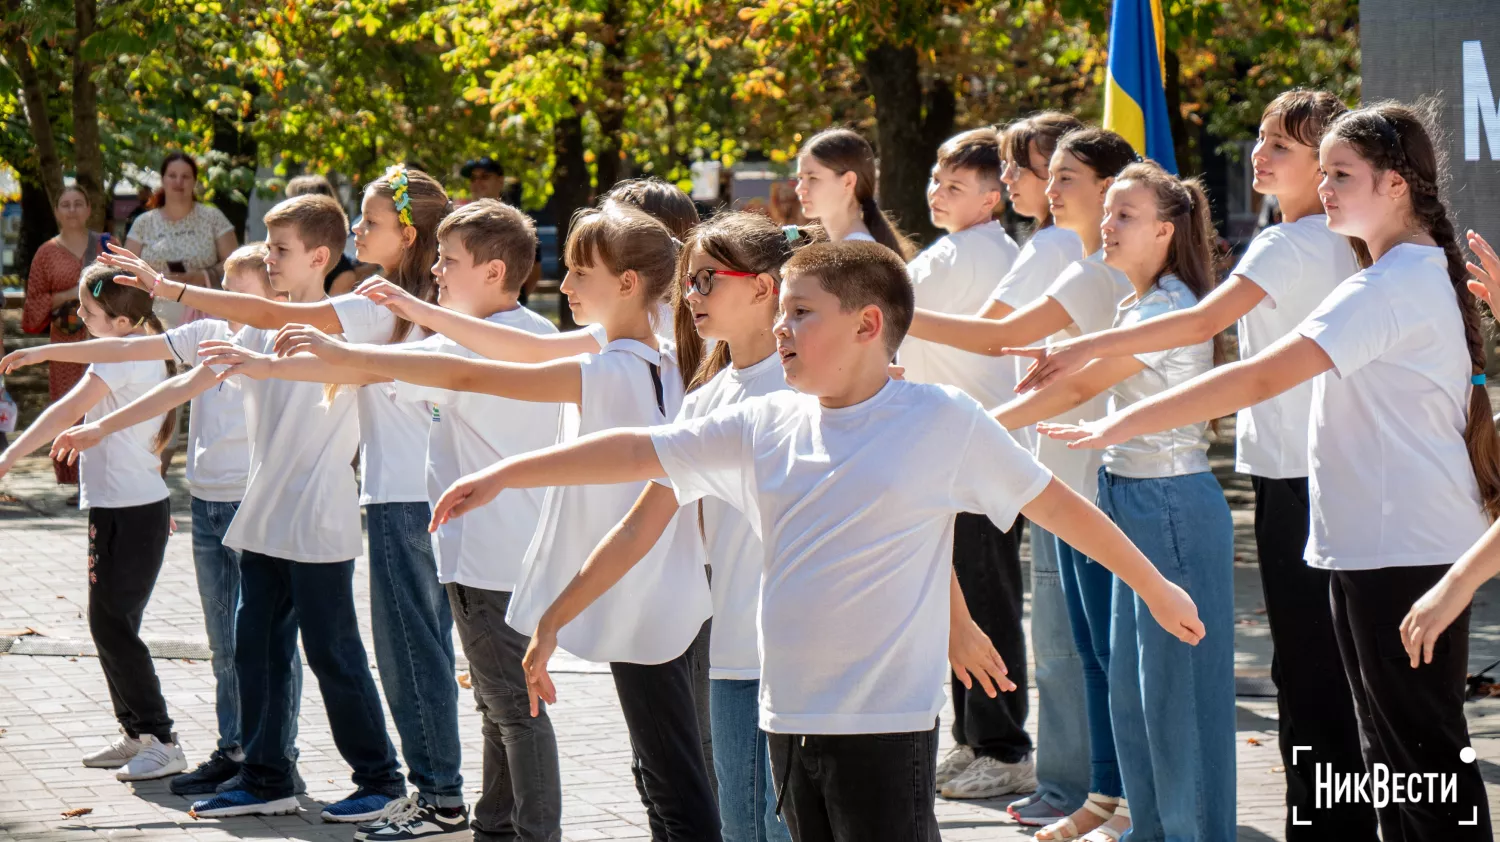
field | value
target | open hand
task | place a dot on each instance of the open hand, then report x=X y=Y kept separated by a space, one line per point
x=539 y=687
x=23 y=357
x=466 y=495
x=135 y=272
x=1487 y=274
x=1430 y=616
x=972 y=655
x=1174 y=610
x=300 y=339
x=1090 y=435
x=74 y=441
x=392 y=297
x=229 y=359
x=1050 y=363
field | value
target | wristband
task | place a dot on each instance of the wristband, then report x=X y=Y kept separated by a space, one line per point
x=181 y=292
x=156 y=283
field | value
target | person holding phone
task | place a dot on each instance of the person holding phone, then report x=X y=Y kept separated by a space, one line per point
x=181 y=236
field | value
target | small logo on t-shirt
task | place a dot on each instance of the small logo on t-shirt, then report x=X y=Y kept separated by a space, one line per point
x=436 y=416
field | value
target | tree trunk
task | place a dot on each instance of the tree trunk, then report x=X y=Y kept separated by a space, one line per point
x=570 y=185
x=49 y=174
x=88 y=157
x=38 y=223
x=910 y=125
x=611 y=111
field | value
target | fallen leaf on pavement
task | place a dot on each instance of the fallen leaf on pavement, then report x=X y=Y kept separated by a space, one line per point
x=1277 y=770
x=464 y=681
x=76 y=812
x=1252 y=741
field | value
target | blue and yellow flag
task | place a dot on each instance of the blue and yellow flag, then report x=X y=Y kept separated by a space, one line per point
x=1135 y=99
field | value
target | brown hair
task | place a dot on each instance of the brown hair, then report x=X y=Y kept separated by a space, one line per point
x=72 y=188
x=861 y=274
x=977 y=150
x=664 y=202
x=429 y=204
x=1045 y=129
x=624 y=238
x=493 y=230
x=1395 y=137
x=845 y=150
x=744 y=242
x=250 y=256
x=1101 y=150
x=305 y=184
x=96 y=283
x=1305 y=115
x=159 y=195
x=317 y=220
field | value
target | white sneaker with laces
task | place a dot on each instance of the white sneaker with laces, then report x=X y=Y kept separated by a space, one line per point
x=953 y=764
x=115 y=755
x=987 y=777
x=156 y=759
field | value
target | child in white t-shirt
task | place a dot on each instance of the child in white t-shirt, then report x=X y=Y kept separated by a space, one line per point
x=836 y=186
x=121 y=486
x=218 y=462
x=1401 y=437
x=855 y=591
x=298 y=532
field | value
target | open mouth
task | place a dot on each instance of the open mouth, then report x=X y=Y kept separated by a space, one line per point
x=786 y=354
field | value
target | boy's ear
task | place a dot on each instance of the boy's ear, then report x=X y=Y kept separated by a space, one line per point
x=322 y=256
x=495 y=271
x=993 y=199
x=871 y=325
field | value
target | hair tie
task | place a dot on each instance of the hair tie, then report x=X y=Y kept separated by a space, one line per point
x=1477 y=380
x=396 y=177
x=676 y=242
x=792 y=232
x=1139 y=158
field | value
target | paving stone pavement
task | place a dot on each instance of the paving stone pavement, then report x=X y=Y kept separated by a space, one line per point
x=55 y=708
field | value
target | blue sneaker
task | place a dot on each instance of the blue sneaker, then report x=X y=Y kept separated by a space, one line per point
x=362 y=805
x=239 y=802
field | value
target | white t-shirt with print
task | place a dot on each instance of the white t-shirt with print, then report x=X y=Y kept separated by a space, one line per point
x=218 y=450
x=855 y=507
x=1166 y=453
x=392 y=433
x=122 y=470
x=468 y=432
x=1297 y=264
x=653 y=613
x=301 y=502
x=1390 y=482
x=1090 y=290
x=734 y=548
x=955 y=275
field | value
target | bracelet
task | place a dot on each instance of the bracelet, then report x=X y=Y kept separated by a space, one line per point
x=156 y=283
x=180 y=293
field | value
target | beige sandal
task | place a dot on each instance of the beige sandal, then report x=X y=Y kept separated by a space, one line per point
x=1105 y=833
x=1066 y=830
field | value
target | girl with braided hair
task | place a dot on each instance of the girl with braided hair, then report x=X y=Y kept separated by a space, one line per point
x=1402 y=449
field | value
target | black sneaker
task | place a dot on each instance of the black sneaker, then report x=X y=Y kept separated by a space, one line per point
x=410 y=818
x=205 y=780
x=299 y=786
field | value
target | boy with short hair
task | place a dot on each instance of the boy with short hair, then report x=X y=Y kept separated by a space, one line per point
x=852 y=485
x=485 y=251
x=956 y=275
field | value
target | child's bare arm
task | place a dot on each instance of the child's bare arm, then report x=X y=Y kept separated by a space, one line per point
x=106 y=350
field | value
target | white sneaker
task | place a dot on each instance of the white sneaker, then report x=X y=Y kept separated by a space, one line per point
x=957 y=760
x=116 y=754
x=987 y=777
x=156 y=759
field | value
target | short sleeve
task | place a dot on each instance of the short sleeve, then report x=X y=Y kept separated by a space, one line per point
x=709 y=456
x=599 y=334
x=929 y=270
x=143 y=229
x=363 y=320
x=183 y=340
x=416 y=393
x=993 y=474
x=1088 y=296
x=1037 y=269
x=218 y=223
x=1272 y=262
x=1354 y=325
x=117 y=375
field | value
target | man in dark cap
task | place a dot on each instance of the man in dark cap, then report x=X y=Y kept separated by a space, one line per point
x=486 y=178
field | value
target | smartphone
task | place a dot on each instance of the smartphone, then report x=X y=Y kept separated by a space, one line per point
x=176 y=266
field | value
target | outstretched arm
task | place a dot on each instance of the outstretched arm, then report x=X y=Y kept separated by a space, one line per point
x=1223 y=391
x=1199 y=323
x=1065 y=394
x=56 y=418
x=1032 y=323
x=496 y=341
x=603 y=458
x=107 y=350
x=162 y=398
x=1061 y=511
x=235 y=360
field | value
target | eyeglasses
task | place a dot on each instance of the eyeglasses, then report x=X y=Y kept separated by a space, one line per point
x=702 y=281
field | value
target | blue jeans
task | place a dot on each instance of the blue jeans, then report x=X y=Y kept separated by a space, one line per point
x=218 y=569
x=1173 y=704
x=279 y=599
x=413 y=629
x=1062 y=750
x=1089 y=589
x=747 y=800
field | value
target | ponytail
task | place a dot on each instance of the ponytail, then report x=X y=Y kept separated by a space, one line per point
x=883 y=230
x=154 y=327
x=1396 y=137
x=845 y=150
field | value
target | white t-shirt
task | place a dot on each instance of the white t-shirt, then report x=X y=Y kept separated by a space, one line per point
x=1090 y=290
x=218 y=451
x=1297 y=264
x=301 y=502
x=858 y=237
x=1043 y=259
x=1167 y=453
x=392 y=433
x=734 y=548
x=122 y=470
x=855 y=507
x=955 y=275
x=470 y=431
x=1390 y=482
x=653 y=613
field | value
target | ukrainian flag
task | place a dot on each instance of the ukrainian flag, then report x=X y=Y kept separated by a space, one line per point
x=1135 y=99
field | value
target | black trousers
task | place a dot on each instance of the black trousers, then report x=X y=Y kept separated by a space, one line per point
x=988 y=563
x=126 y=550
x=1312 y=710
x=661 y=715
x=857 y=787
x=1410 y=720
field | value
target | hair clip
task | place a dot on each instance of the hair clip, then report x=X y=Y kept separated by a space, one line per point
x=1139 y=158
x=1477 y=380
x=98 y=288
x=677 y=243
x=792 y=232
